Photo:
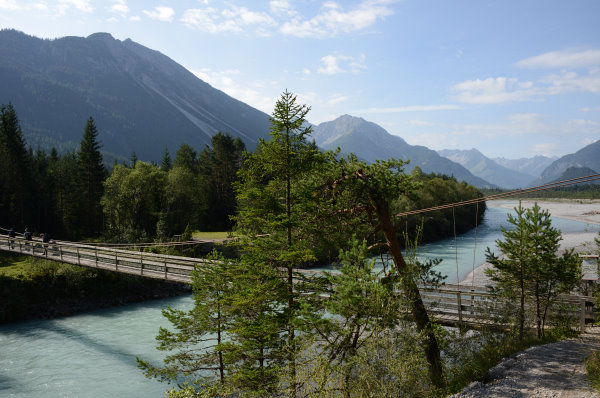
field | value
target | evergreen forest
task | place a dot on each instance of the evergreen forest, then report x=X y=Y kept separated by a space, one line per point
x=75 y=195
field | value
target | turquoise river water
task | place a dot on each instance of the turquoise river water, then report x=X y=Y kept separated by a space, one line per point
x=94 y=354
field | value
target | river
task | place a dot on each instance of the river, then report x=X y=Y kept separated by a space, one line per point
x=94 y=354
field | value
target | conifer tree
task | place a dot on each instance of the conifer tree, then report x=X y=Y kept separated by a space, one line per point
x=15 y=170
x=165 y=163
x=530 y=267
x=92 y=174
x=271 y=206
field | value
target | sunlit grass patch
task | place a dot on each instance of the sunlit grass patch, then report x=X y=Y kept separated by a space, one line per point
x=211 y=235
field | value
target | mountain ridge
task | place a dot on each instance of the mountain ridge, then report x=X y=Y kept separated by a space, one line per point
x=355 y=134
x=486 y=168
x=56 y=85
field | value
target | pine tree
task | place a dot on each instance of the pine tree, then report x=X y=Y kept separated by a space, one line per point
x=270 y=205
x=530 y=265
x=91 y=176
x=15 y=171
x=165 y=163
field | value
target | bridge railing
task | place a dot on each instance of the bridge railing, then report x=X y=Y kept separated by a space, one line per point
x=451 y=304
x=159 y=266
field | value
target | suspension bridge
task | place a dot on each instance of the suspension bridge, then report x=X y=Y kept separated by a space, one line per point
x=450 y=304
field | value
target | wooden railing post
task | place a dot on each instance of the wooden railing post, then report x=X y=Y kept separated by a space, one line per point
x=582 y=314
x=116 y=262
x=78 y=257
x=61 y=252
x=141 y=264
x=165 y=262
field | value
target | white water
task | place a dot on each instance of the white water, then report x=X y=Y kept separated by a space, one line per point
x=94 y=354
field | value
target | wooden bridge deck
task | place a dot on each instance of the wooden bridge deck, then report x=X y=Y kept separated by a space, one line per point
x=449 y=304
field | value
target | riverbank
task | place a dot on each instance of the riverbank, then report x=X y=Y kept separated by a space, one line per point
x=584 y=210
x=39 y=289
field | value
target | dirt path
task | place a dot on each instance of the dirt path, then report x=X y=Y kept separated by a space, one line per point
x=551 y=370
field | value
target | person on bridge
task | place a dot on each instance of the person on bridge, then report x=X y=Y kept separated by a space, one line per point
x=11 y=237
x=45 y=240
x=27 y=234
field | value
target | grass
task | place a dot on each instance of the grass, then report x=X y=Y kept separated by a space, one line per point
x=13 y=266
x=211 y=235
x=592 y=365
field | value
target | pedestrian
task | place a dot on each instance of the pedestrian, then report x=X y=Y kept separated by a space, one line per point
x=11 y=237
x=45 y=241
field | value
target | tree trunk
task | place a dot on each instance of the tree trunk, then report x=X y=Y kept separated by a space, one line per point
x=290 y=276
x=430 y=345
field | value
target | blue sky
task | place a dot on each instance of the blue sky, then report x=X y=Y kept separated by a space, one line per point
x=510 y=78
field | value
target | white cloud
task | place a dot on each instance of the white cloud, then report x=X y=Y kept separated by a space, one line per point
x=160 y=13
x=233 y=20
x=135 y=18
x=334 y=21
x=112 y=20
x=282 y=7
x=493 y=91
x=336 y=99
x=545 y=148
x=225 y=80
x=9 y=5
x=567 y=82
x=81 y=5
x=588 y=109
x=119 y=7
x=562 y=59
x=336 y=63
x=417 y=122
x=410 y=108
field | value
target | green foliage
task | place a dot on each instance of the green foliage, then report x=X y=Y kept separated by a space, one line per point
x=15 y=171
x=592 y=366
x=435 y=190
x=36 y=288
x=90 y=177
x=133 y=198
x=471 y=356
x=530 y=269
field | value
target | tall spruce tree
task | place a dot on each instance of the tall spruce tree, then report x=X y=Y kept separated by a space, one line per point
x=166 y=163
x=91 y=176
x=15 y=171
x=271 y=207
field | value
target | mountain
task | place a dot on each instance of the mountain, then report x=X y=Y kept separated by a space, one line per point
x=370 y=142
x=576 y=172
x=588 y=156
x=532 y=166
x=486 y=168
x=140 y=99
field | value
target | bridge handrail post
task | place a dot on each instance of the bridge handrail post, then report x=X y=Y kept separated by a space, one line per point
x=582 y=302
x=96 y=256
x=78 y=257
x=60 y=250
x=459 y=302
x=165 y=262
x=116 y=262
x=141 y=263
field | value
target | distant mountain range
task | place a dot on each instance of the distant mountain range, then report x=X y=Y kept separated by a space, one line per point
x=143 y=101
x=370 y=142
x=486 y=168
x=532 y=166
x=140 y=99
x=587 y=158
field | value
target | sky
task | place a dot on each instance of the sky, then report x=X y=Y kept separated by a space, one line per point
x=510 y=78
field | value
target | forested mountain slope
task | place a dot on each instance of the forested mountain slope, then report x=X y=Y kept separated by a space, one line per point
x=140 y=99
